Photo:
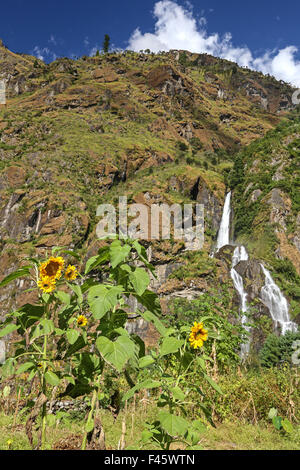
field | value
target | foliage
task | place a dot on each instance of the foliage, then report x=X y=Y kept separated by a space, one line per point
x=219 y=317
x=280 y=423
x=106 y=43
x=76 y=333
x=248 y=395
x=278 y=349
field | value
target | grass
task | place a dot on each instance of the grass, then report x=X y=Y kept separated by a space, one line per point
x=226 y=436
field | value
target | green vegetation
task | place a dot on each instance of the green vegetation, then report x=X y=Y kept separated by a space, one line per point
x=159 y=128
x=278 y=350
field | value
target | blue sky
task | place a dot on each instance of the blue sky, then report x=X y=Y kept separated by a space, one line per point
x=259 y=30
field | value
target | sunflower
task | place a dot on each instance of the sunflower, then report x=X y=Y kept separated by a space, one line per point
x=52 y=268
x=198 y=335
x=81 y=320
x=71 y=273
x=46 y=284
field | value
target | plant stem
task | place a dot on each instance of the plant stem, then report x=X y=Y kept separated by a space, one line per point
x=90 y=417
x=44 y=409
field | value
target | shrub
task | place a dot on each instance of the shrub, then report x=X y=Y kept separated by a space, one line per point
x=277 y=350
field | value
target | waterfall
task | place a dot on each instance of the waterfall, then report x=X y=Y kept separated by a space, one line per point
x=277 y=304
x=223 y=235
x=240 y=254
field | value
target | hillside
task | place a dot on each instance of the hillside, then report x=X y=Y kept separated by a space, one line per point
x=170 y=127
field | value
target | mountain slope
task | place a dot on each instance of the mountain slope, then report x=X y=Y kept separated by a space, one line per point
x=163 y=128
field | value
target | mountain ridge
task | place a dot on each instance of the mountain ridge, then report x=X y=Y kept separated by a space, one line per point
x=169 y=127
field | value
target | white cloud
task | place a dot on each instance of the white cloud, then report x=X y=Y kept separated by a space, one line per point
x=52 y=40
x=44 y=53
x=94 y=50
x=177 y=28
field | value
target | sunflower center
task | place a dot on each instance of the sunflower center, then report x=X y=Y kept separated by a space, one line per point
x=52 y=268
x=198 y=334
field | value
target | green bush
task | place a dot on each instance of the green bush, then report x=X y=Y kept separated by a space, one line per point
x=215 y=309
x=248 y=396
x=277 y=350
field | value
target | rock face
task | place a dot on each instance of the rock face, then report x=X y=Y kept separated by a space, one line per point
x=213 y=207
x=157 y=128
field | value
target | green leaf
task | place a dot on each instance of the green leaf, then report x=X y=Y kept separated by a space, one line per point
x=24 y=367
x=70 y=379
x=186 y=359
x=150 y=300
x=198 y=425
x=140 y=280
x=272 y=413
x=30 y=314
x=79 y=344
x=77 y=290
x=24 y=271
x=172 y=424
x=6 y=391
x=277 y=422
x=287 y=425
x=77 y=390
x=89 y=425
x=59 y=331
x=91 y=264
x=201 y=362
x=95 y=261
x=170 y=345
x=177 y=393
x=126 y=268
x=31 y=375
x=52 y=378
x=72 y=335
x=51 y=420
x=8 y=329
x=71 y=253
x=36 y=332
x=117 y=352
x=213 y=384
x=8 y=368
x=64 y=297
x=142 y=253
x=150 y=317
x=46 y=297
x=48 y=326
x=118 y=253
x=145 y=385
x=102 y=299
x=145 y=361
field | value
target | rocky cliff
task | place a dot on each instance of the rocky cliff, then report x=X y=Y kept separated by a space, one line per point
x=171 y=127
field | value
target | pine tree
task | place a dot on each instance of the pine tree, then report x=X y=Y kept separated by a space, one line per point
x=106 y=43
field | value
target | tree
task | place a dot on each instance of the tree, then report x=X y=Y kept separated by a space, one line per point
x=106 y=43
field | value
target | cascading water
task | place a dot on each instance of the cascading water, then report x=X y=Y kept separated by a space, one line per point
x=270 y=293
x=223 y=235
x=240 y=254
x=277 y=304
